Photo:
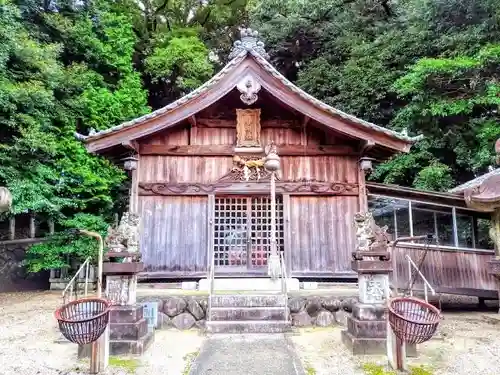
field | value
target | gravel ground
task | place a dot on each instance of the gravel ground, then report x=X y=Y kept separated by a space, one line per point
x=29 y=334
x=467 y=343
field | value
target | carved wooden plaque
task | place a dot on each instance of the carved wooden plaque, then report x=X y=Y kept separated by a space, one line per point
x=248 y=127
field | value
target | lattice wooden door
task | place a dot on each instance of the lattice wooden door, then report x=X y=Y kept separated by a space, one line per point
x=242 y=232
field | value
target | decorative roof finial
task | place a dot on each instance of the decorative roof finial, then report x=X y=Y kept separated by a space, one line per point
x=249 y=41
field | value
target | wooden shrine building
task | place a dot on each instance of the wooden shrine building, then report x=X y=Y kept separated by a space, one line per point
x=203 y=194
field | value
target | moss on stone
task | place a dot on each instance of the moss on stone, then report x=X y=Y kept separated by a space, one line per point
x=127 y=364
x=373 y=369
x=188 y=361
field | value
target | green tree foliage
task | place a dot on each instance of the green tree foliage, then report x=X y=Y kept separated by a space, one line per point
x=69 y=67
x=427 y=66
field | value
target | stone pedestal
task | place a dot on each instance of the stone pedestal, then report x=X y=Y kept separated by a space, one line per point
x=494 y=270
x=128 y=329
x=367 y=325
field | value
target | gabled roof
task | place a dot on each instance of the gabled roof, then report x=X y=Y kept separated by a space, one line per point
x=475 y=182
x=248 y=57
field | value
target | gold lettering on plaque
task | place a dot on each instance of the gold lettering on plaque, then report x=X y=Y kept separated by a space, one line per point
x=248 y=127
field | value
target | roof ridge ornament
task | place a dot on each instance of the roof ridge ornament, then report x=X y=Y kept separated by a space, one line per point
x=249 y=41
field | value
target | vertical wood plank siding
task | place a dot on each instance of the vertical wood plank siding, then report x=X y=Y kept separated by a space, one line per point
x=446 y=269
x=174 y=235
x=173 y=169
x=321 y=168
x=215 y=136
x=209 y=169
x=227 y=136
x=323 y=234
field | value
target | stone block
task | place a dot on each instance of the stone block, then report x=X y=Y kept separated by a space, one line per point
x=132 y=347
x=128 y=331
x=247 y=313
x=174 y=306
x=364 y=346
x=325 y=318
x=362 y=311
x=248 y=300
x=183 y=321
x=367 y=328
x=126 y=314
x=373 y=288
x=301 y=319
x=121 y=289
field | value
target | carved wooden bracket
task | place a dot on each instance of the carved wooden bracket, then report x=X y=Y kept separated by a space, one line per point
x=180 y=189
x=254 y=187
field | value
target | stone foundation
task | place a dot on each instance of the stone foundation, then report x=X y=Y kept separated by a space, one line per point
x=14 y=276
x=186 y=312
x=128 y=332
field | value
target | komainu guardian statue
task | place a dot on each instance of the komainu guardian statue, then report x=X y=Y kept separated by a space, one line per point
x=369 y=236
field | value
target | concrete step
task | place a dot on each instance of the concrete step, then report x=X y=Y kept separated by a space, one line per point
x=245 y=326
x=247 y=313
x=249 y=300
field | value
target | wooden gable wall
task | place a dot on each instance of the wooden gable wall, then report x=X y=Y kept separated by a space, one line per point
x=176 y=236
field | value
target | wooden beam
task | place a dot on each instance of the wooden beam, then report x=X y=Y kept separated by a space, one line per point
x=227 y=123
x=192 y=120
x=366 y=146
x=303 y=132
x=282 y=187
x=192 y=130
x=12 y=228
x=228 y=150
x=131 y=145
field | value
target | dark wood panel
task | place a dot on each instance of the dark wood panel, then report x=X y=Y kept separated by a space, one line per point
x=322 y=234
x=228 y=150
x=174 y=235
x=445 y=269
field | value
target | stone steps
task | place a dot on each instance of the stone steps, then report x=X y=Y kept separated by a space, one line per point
x=250 y=300
x=245 y=326
x=260 y=312
x=247 y=313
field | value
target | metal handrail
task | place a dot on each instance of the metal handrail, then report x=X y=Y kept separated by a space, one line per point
x=411 y=264
x=284 y=288
x=85 y=265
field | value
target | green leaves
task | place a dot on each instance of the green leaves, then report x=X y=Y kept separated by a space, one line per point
x=180 y=60
x=63 y=247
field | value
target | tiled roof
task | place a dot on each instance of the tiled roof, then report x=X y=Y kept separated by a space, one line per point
x=475 y=182
x=240 y=52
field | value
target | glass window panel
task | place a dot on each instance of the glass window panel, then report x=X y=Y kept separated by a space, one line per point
x=436 y=220
x=391 y=212
x=465 y=229
x=483 y=239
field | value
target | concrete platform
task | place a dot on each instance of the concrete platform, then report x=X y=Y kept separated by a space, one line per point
x=249 y=284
